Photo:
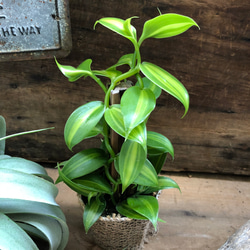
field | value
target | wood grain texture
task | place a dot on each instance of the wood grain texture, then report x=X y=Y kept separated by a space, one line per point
x=212 y=63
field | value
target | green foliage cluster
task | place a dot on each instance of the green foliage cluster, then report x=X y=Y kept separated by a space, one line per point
x=143 y=152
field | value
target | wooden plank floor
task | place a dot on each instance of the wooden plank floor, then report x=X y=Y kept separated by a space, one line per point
x=209 y=210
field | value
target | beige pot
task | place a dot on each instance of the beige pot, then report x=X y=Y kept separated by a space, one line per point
x=118 y=233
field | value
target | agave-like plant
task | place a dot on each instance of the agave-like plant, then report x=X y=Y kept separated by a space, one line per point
x=28 y=210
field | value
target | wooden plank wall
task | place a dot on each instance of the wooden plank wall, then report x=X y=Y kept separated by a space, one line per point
x=212 y=63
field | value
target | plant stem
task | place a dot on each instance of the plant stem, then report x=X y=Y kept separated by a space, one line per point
x=139 y=79
x=109 y=176
x=99 y=82
x=107 y=96
x=118 y=79
x=106 y=139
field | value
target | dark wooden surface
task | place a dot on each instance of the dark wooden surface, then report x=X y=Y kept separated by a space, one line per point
x=212 y=63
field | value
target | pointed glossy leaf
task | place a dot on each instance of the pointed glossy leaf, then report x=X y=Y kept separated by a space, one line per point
x=81 y=122
x=124 y=60
x=124 y=209
x=83 y=163
x=131 y=161
x=2 y=134
x=150 y=85
x=85 y=65
x=163 y=183
x=120 y=26
x=111 y=73
x=12 y=235
x=166 y=183
x=158 y=161
x=166 y=25
x=116 y=163
x=74 y=74
x=74 y=186
x=139 y=134
x=92 y=211
x=158 y=143
x=130 y=29
x=136 y=106
x=147 y=176
x=167 y=82
x=98 y=129
x=94 y=183
x=145 y=205
x=114 y=118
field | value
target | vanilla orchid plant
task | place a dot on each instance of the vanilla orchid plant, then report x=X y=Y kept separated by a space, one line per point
x=142 y=154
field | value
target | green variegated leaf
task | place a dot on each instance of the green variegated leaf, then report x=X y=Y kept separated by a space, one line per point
x=83 y=163
x=131 y=161
x=158 y=144
x=147 y=176
x=114 y=118
x=81 y=122
x=116 y=163
x=150 y=85
x=120 y=26
x=94 y=183
x=111 y=73
x=163 y=183
x=158 y=161
x=139 y=134
x=166 y=183
x=167 y=82
x=98 y=129
x=136 y=106
x=165 y=26
x=124 y=60
x=74 y=74
x=124 y=209
x=74 y=186
x=92 y=211
x=145 y=205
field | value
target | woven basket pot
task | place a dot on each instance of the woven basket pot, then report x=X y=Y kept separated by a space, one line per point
x=118 y=233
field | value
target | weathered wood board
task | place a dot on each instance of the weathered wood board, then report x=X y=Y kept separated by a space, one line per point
x=212 y=63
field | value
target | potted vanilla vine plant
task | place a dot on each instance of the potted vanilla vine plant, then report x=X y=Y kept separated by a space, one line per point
x=122 y=178
x=29 y=215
